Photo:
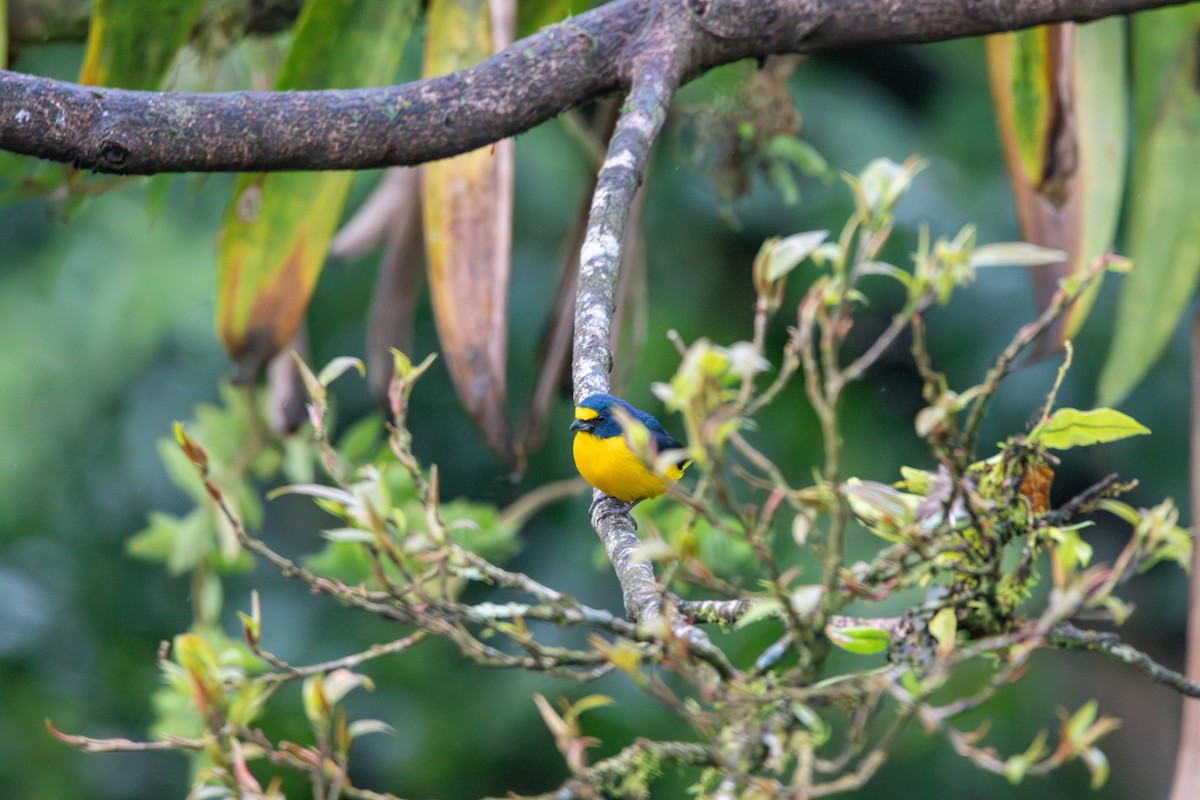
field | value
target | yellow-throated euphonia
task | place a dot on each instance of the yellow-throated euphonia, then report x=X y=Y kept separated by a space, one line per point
x=605 y=460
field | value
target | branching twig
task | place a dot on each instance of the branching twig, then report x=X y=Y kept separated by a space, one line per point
x=611 y=770
x=1063 y=299
x=1069 y=637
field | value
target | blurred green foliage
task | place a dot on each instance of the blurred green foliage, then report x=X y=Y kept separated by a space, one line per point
x=106 y=319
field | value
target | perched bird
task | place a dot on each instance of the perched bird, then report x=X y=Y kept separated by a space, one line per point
x=605 y=460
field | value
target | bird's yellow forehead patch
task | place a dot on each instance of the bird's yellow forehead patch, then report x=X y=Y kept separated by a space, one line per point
x=585 y=414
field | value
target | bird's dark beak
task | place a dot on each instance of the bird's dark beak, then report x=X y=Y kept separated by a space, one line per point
x=579 y=425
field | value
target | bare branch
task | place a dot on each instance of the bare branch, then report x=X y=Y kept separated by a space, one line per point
x=1068 y=637
x=564 y=65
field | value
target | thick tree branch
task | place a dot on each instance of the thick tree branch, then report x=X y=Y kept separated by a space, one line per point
x=111 y=130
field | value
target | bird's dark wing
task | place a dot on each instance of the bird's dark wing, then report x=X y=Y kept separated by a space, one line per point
x=662 y=439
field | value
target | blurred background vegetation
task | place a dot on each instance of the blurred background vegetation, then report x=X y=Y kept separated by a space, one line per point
x=106 y=314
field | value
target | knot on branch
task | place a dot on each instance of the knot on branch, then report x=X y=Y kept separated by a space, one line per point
x=111 y=155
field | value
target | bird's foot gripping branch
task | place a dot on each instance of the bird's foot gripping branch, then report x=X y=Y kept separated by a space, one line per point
x=761 y=556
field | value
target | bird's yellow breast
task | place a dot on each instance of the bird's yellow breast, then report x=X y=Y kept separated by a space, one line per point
x=610 y=466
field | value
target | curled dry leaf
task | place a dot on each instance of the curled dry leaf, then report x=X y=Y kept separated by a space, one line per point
x=287 y=396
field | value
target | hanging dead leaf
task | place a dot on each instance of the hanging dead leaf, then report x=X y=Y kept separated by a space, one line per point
x=467 y=209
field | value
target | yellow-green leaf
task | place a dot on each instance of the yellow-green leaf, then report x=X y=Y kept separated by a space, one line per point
x=1070 y=427
x=131 y=43
x=860 y=639
x=586 y=704
x=467 y=204
x=278 y=226
x=944 y=628
x=1164 y=203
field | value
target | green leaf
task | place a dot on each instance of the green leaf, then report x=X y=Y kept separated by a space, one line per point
x=278 y=225
x=1073 y=552
x=211 y=598
x=156 y=541
x=1070 y=427
x=860 y=639
x=1080 y=721
x=1164 y=201
x=799 y=153
x=131 y=43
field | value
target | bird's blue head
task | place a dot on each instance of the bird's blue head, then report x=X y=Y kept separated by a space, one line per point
x=594 y=415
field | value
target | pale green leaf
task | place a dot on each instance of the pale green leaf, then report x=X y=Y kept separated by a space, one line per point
x=762 y=609
x=348 y=535
x=318 y=490
x=362 y=727
x=786 y=254
x=337 y=367
x=1014 y=254
x=1070 y=427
